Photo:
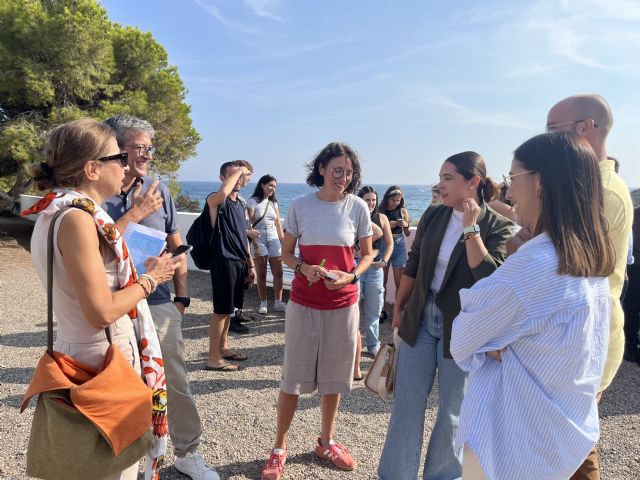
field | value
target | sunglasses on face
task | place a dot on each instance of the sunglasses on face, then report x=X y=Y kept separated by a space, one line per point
x=123 y=157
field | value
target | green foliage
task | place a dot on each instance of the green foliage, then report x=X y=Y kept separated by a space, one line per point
x=184 y=203
x=64 y=59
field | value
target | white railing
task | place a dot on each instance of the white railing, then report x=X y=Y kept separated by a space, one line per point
x=185 y=219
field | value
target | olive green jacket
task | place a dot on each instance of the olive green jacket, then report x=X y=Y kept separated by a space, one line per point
x=494 y=231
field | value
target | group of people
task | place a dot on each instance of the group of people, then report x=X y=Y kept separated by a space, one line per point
x=520 y=321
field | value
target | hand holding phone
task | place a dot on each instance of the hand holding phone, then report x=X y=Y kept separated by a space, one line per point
x=331 y=276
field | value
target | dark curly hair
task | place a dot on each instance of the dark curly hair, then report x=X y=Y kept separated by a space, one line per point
x=331 y=151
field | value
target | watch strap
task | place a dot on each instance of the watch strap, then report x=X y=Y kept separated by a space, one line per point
x=471 y=229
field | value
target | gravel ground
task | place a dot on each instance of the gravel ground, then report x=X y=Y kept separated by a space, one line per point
x=238 y=409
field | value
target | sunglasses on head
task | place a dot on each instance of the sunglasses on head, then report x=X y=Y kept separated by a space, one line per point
x=123 y=157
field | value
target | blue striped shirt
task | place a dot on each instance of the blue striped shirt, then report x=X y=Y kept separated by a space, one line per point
x=534 y=414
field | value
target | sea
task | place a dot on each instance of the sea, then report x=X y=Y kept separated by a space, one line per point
x=417 y=197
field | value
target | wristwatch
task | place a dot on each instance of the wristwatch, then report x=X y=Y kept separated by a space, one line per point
x=186 y=301
x=355 y=277
x=471 y=229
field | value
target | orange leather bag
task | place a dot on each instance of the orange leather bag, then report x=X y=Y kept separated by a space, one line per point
x=87 y=423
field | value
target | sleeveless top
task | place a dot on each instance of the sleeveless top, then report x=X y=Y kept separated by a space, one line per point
x=71 y=324
x=376 y=219
x=394 y=215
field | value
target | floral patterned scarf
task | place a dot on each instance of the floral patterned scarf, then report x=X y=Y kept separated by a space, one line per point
x=150 y=355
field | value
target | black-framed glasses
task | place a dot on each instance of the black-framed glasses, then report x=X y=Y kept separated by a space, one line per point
x=552 y=127
x=143 y=149
x=123 y=157
x=508 y=179
x=339 y=172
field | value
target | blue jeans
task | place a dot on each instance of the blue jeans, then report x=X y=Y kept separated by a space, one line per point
x=399 y=255
x=415 y=374
x=372 y=293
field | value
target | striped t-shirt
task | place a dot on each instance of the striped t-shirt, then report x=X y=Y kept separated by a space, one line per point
x=326 y=231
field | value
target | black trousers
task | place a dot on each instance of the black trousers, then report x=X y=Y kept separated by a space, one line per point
x=631 y=306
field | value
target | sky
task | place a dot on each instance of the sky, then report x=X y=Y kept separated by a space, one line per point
x=406 y=83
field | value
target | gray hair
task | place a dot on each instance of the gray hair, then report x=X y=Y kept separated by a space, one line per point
x=122 y=124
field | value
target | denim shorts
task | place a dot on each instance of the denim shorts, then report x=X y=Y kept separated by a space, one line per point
x=399 y=256
x=268 y=244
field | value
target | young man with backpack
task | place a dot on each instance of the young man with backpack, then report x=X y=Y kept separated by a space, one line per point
x=231 y=266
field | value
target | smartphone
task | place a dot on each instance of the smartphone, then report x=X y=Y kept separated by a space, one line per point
x=331 y=276
x=181 y=249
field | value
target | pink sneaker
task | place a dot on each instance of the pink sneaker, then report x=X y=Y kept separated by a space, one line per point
x=337 y=454
x=273 y=468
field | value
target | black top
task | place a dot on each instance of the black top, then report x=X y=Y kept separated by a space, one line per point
x=230 y=234
x=394 y=215
x=376 y=219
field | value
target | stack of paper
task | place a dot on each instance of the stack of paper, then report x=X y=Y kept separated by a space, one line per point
x=144 y=242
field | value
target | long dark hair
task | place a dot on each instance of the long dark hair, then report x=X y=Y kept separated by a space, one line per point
x=572 y=210
x=363 y=191
x=324 y=156
x=470 y=164
x=391 y=191
x=258 y=193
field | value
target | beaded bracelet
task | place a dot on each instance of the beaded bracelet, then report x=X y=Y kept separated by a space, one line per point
x=146 y=292
x=152 y=283
x=470 y=235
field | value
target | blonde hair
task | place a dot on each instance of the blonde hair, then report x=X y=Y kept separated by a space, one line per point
x=69 y=147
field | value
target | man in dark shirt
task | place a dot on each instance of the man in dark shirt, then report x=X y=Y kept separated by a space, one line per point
x=233 y=267
x=148 y=202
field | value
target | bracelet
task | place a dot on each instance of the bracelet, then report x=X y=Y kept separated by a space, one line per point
x=146 y=291
x=470 y=235
x=152 y=283
x=298 y=267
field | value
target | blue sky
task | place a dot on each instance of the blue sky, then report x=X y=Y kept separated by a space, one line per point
x=406 y=83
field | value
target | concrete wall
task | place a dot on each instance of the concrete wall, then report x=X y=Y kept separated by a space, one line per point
x=185 y=219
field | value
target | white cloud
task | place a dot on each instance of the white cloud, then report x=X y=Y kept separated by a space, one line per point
x=265 y=8
x=212 y=9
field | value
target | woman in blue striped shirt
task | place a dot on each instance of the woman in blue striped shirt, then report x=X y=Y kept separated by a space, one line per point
x=533 y=335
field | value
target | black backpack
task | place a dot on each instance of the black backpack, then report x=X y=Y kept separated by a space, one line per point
x=200 y=235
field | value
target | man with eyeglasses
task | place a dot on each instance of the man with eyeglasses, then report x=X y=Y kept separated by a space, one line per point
x=589 y=116
x=148 y=202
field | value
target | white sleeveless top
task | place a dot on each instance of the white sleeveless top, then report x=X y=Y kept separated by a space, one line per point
x=72 y=325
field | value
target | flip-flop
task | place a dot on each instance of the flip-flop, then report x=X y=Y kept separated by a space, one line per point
x=357 y=379
x=238 y=357
x=227 y=367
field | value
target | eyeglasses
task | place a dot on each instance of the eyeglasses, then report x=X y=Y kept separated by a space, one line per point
x=552 y=127
x=508 y=178
x=123 y=157
x=339 y=172
x=143 y=149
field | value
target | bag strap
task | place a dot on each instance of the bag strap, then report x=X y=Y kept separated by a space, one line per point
x=50 y=285
x=263 y=214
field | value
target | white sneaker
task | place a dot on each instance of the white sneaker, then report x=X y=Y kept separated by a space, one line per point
x=263 y=308
x=280 y=306
x=193 y=465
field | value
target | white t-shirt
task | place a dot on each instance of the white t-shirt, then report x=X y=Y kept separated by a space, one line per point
x=449 y=241
x=258 y=209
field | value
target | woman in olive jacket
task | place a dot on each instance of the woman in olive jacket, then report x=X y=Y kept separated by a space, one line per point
x=457 y=243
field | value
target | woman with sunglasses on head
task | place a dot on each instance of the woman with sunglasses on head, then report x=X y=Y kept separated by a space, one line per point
x=457 y=243
x=264 y=215
x=371 y=283
x=533 y=336
x=392 y=206
x=322 y=316
x=95 y=286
